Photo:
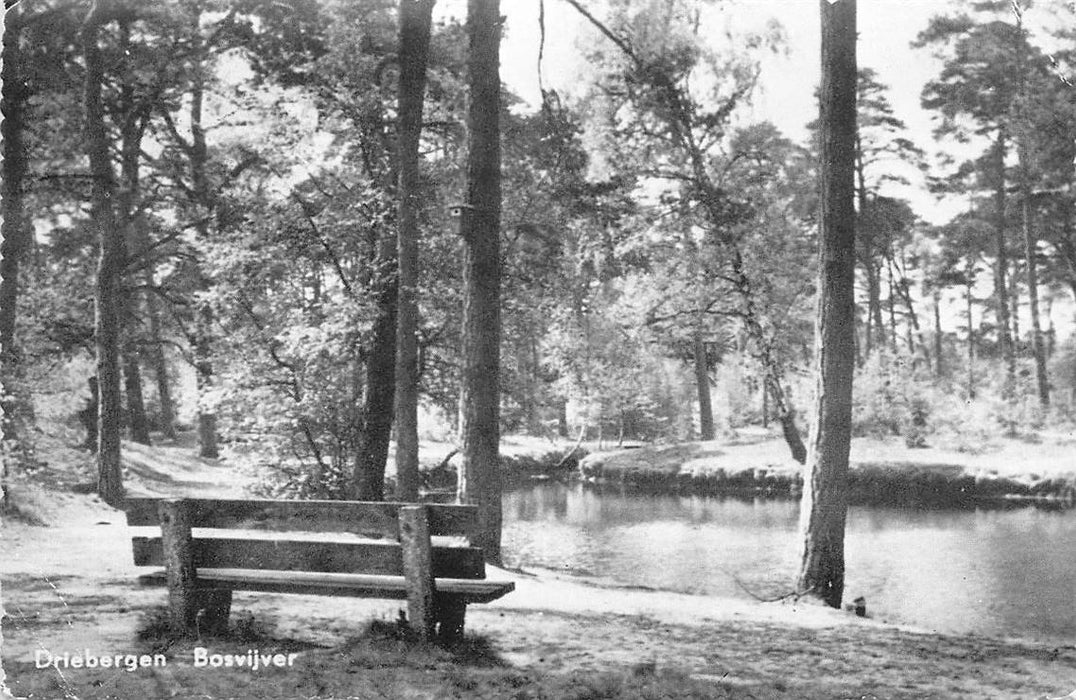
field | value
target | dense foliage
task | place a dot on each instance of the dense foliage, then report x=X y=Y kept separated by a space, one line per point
x=657 y=250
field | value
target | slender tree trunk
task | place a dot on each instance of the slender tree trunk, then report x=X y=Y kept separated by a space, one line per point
x=914 y=331
x=534 y=419
x=415 y=18
x=208 y=447
x=134 y=115
x=480 y=479
x=874 y=294
x=136 y=406
x=1014 y=307
x=702 y=382
x=377 y=411
x=1001 y=266
x=939 y=364
x=14 y=229
x=109 y=266
x=1030 y=239
x=1038 y=348
x=891 y=302
x=204 y=199
x=159 y=362
x=765 y=406
x=772 y=371
x=824 y=506
x=971 y=338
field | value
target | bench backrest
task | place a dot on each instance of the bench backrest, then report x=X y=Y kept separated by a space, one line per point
x=379 y=552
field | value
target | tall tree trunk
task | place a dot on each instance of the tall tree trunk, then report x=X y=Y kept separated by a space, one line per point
x=208 y=445
x=109 y=266
x=824 y=507
x=1014 y=308
x=914 y=331
x=772 y=370
x=891 y=302
x=415 y=18
x=1030 y=240
x=368 y=480
x=14 y=229
x=135 y=117
x=1038 y=348
x=969 y=282
x=939 y=364
x=159 y=362
x=136 y=405
x=874 y=296
x=480 y=478
x=203 y=198
x=702 y=382
x=1001 y=265
x=533 y=384
x=870 y=267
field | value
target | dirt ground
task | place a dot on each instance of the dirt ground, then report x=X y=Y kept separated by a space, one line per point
x=68 y=586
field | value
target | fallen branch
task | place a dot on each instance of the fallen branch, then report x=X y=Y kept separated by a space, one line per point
x=578 y=442
x=795 y=594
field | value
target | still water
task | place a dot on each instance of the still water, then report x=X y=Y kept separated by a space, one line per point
x=1005 y=572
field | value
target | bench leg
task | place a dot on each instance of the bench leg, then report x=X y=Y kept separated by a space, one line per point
x=450 y=617
x=214 y=607
x=179 y=566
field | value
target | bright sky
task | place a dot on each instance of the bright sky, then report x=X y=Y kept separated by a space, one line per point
x=787 y=83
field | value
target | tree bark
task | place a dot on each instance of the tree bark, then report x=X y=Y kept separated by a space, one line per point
x=702 y=382
x=939 y=363
x=198 y=155
x=14 y=229
x=1001 y=265
x=109 y=266
x=208 y=447
x=874 y=295
x=136 y=406
x=160 y=362
x=415 y=19
x=368 y=479
x=134 y=117
x=480 y=479
x=1030 y=240
x=969 y=283
x=1030 y=250
x=824 y=506
x=914 y=331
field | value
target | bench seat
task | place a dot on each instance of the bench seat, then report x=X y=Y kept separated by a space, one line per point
x=332 y=584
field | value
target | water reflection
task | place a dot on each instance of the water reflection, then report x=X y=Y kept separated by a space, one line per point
x=990 y=571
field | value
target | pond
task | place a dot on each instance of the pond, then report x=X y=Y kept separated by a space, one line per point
x=999 y=572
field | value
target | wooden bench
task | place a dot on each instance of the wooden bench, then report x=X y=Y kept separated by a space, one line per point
x=348 y=548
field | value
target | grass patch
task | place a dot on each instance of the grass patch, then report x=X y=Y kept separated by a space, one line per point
x=242 y=627
x=16 y=507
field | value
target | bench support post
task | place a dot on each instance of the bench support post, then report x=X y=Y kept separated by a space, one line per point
x=450 y=616
x=418 y=569
x=179 y=565
x=214 y=607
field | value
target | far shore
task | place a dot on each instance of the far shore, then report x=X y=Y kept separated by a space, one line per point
x=1005 y=471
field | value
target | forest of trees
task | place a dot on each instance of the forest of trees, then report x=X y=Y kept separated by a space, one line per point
x=307 y=228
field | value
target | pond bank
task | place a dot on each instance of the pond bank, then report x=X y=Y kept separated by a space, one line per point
x=882 y=473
